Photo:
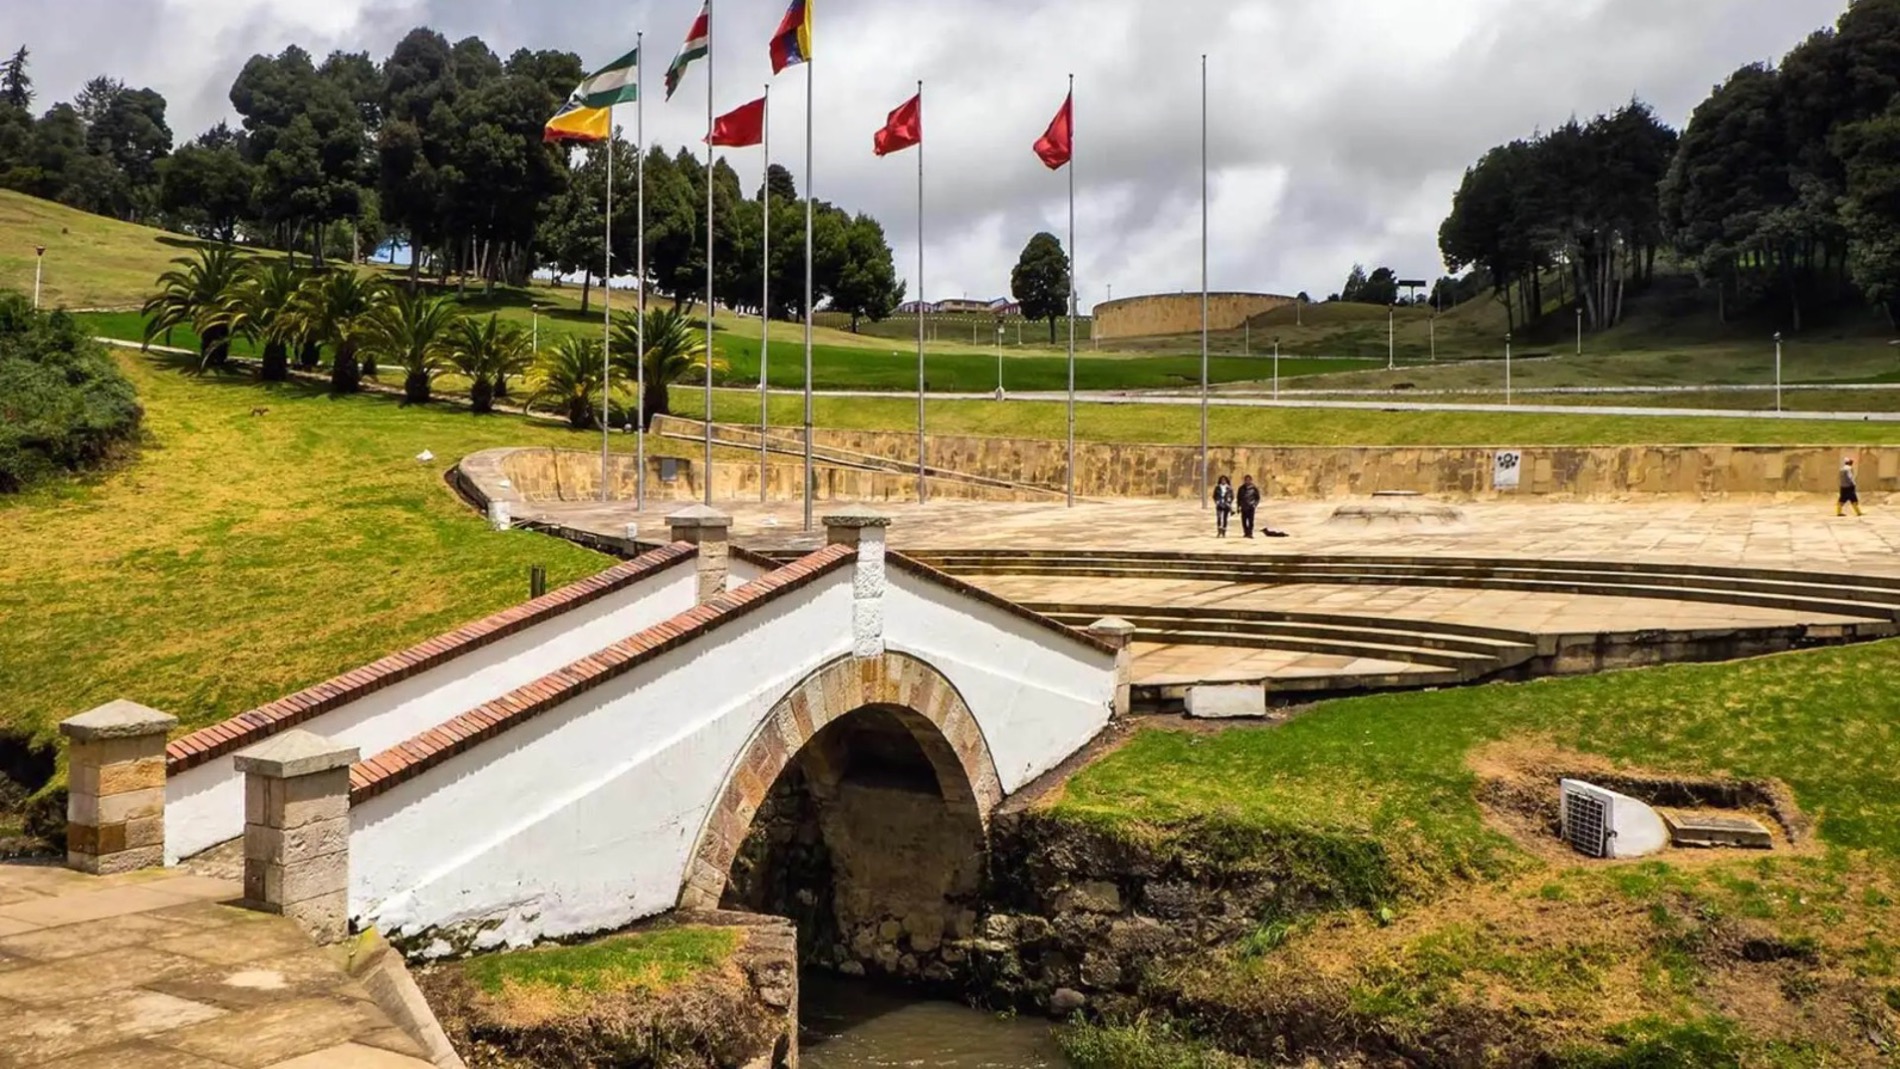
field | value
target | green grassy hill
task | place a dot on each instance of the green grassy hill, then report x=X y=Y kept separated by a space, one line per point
x=91 y=261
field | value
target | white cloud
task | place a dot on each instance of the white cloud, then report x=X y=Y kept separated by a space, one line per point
x=1339 y=128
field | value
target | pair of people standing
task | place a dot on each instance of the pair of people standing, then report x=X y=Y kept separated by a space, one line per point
x=1226 y=499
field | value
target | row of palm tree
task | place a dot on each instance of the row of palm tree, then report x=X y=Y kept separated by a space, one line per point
x=363 y=322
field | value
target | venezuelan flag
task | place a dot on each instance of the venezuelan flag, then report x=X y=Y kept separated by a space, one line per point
x=792 y=44
x=579 y=123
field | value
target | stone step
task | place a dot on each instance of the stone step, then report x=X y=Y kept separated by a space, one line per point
x=1464 y=665
x=1421 y=634
x=1793 y=596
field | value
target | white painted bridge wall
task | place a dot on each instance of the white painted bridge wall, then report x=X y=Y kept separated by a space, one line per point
x=585 y=818
x=204 y=806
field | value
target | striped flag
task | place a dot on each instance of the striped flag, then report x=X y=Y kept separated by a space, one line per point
x=577 y=122
x=696 y=47
x=792 y=44
x=616 y=83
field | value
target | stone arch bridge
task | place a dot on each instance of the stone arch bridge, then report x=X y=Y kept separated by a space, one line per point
x=610 y=751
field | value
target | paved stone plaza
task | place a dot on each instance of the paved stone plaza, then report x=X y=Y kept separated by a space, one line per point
x=157 y=969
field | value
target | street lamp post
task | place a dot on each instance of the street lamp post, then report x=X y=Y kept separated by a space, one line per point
x=1391 y=338
x=1507 y=368
x=999 y=360
x=39 y=270
x=1777 y=371
x=1580 y=330
x=534 y=325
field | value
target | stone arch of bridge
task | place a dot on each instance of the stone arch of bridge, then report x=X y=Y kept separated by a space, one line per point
x=905 y=688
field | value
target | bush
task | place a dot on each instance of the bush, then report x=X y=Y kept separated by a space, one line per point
x=64 y=406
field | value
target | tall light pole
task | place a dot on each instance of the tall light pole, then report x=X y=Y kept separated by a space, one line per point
x=1777 y=371
x=1507 y=368
x=534 y=325
x=39 y=269
x=999 y=359
x=1391 y=337
x=1580 y=330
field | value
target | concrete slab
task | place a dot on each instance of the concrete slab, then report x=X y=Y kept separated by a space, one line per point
x=352 y=1056
x=38 y=1036
x=278 y=1032
x=1226 y=702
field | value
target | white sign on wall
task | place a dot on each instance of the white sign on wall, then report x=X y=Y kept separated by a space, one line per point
x=1505 y=468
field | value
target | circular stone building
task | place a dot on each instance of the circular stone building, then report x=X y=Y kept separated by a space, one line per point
x=1179 y=313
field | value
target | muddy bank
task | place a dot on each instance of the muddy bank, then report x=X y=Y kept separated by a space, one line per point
x=710 y=991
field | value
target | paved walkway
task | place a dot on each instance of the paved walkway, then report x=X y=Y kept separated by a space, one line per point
x=150 y=970
x=1799 y=536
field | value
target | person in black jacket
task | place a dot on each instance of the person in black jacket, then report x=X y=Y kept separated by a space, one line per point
x=1223 y=505
x=1249 y=501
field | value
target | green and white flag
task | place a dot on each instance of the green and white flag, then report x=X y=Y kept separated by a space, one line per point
x=616 y=83
x=698 y=42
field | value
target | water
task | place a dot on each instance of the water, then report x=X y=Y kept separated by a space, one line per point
x=845 y=1025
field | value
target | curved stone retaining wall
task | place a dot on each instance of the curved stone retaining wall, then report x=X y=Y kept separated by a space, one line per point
x=1179 y=313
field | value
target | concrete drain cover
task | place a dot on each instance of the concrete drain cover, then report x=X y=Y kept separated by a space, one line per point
x=1696 y=829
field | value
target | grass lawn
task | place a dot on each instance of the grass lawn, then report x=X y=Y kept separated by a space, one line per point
x=1458 y=919
x=241 y=557
x=1180 y=424
x=91 y=261
x=641 y=961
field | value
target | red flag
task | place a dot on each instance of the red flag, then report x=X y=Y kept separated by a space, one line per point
x=1057 y=146
x=904 y=128
x=741 y=127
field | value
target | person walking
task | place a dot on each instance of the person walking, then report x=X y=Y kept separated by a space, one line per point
x=1249 y=501
x=1223 y=505
x=1850 y=489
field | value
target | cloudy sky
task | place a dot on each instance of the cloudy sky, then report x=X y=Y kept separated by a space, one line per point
x=1338 y=128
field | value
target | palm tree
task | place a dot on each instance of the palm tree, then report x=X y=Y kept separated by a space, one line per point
x=258 y=306
x=488 y=351
x=335 y=308
x=673 y=348
x=568 y=377
x=191 y=294
x=412 y=332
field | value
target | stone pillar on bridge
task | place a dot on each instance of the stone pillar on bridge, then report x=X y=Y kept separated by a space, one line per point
x=711 y=531
x=1121 y=634
x=297 y=831
x=115 y=788
x=865 y=528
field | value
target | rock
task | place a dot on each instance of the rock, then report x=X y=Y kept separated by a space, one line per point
x=1138 y=937
x=1031 y=929
x=1173 y=899
x=965 y=925
x=1066 y=1001
x=937 y=973
x=1000 y=927
x=1100 y=972
x=886 y=958
x=889 y=931
x=925 y=942
x=1092 y=896
x=907 y=965
x=776 y=997
x=851 y=968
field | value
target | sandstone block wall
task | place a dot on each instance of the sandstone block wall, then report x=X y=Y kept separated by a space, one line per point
x=1179 y=313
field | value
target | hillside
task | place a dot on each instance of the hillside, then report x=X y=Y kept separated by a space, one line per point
x=91 y=261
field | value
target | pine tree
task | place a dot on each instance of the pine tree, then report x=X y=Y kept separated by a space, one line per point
x=16 y=87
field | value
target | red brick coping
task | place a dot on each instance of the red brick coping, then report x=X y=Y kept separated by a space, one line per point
x=407 y=760
x=264 y=721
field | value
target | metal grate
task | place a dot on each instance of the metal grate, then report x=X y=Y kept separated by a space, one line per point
x=1586 y=823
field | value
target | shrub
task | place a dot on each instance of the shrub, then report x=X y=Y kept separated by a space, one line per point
x=64 y=406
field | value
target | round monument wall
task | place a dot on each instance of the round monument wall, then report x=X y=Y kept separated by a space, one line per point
x=1180 y=313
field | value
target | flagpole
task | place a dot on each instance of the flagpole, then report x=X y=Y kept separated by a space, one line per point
x=810 y=121
x=707 y=475
x=1072 y=263
x=607 y=312
x=640 y=325
x=765 y=300
x=1204 y=459
x=923 y=490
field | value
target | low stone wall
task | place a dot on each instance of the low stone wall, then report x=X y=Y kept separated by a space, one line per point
x=541 y=475
x=1321 y=472
x=1179 y=313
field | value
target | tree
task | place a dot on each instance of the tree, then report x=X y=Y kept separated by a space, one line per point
x=335 y=308
x=568 y=377
x=1870 y=151
x=867 y=286
x=194 y=293
x=207 y=190
x=258 y=306
x=1040 y=281
x=488 y=351
x=16 y=86
x=413 y=332
x=674 y=349
x=780 y=184
x=307 y=136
